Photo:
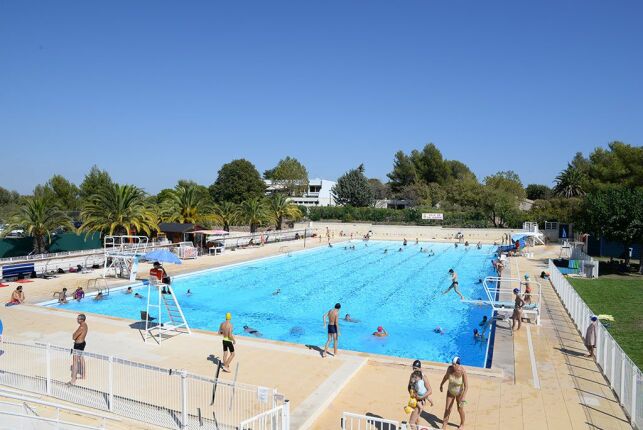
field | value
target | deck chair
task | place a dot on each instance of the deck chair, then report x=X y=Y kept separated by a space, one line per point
x=146 y=317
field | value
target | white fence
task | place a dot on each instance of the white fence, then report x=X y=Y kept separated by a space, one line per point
x=621 y=372
x=169 y=398
x=351 y=421
x=275 y=419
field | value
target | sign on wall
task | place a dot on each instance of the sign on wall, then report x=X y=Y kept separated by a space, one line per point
x=432 y=216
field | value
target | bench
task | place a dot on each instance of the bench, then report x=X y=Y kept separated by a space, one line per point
x=17 y=270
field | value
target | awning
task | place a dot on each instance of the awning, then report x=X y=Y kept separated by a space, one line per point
x=212 y=232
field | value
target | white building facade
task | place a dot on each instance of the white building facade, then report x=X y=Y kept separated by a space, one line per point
x=318 y=193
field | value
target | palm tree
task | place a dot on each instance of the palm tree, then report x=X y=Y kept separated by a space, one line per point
x=225 y=214
x=569 y=183
x=118 y=209
x=279 y=208
x=253 y=212
x=39 y=217
x=185 y=204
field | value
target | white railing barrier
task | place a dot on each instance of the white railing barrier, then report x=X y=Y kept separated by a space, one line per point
x=623 y=375
x=169 y=398
x=351 y=421
x=275 y=419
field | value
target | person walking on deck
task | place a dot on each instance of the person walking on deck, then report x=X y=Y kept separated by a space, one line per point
x=225 y=329
x=590 y=336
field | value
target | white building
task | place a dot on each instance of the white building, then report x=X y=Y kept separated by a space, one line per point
x=318 y=193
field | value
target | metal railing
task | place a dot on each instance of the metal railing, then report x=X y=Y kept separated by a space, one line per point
x=351 y=421
x=170 y=398
x=622 y=374
x=275 y=419
x=266 y=237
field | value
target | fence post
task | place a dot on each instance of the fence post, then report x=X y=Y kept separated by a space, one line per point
x=286 y=415
x=110 y=374
x=634 y=382
x=622 y=392
x=184 y=399
x=613 y=364
x=48 y=360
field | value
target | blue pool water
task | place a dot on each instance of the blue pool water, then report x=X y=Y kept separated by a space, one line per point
x=401 y=291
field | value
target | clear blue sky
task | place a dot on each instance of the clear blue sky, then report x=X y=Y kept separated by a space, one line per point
x=154 y=91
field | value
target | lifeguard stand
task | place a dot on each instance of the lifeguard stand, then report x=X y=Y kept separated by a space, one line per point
x=156 y=327
x=122 y=254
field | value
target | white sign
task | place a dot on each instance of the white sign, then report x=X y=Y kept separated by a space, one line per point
x=432 y=216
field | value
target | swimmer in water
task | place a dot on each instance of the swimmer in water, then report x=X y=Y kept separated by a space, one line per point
x=252 y=331
x=476 y=334
x=399 y=250
x=479 y=281
x=385 y=250
x=188 y=292
x=138 y=296
x=348 y=318
x=276 y=292
x=381 y=332
x=129 y=290
x=438 y=330
x=99 y=296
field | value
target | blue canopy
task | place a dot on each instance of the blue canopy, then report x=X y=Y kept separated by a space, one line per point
x=162 y=256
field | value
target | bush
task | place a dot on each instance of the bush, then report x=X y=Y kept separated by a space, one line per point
x=452 y=218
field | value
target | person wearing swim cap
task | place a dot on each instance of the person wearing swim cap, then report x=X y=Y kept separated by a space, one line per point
x=590 y=336
x=381 y=332
x=421 y=389
x=456 y=390
x=519 y=303
x=225 y=329
x=527 y=295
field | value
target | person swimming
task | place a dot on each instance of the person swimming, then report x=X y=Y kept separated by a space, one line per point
x=476 y=334
x=348 y=318
x=188 y=292
x=385 y=250
x=479 y=281
x=129 y=290
x=381 y=332
x=138 y=296
x=252 y=331
x=276 y=292
x=399 y=250
x=99 y=296
x=438 y=330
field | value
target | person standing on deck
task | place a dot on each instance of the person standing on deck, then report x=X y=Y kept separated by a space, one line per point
x=333 y=328
x=590 y=336
x=78 y=362
x=519 y=303
x=225 y=329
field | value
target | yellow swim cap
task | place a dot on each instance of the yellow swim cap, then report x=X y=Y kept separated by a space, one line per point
x=228 y=316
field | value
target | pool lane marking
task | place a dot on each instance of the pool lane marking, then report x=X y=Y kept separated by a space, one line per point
x=532 y=356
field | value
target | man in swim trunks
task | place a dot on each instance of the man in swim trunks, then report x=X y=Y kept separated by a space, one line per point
x=454 y=284
x=333 y=328
x=225 y=329
x=79 y=336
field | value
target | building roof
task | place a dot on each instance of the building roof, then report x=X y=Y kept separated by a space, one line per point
x=176 y=227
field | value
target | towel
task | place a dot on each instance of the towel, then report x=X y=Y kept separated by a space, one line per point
x=23 y=281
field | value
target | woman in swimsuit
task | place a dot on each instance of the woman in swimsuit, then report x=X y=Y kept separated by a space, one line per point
x=456 y=391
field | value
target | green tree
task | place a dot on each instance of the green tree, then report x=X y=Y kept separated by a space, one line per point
x=186 y=203
x=225 y=214
x=39 y=217
x=380 y=191
x=538 y=192
x=59 y=191
x=620 y=164
x=94 y=180
x=430 y=165
x=289 y=174
x=615 y=213
x=353 y=189
x=236 y=182
x=459 y=171
x=403 y=173
x=118 y=209
x=279 y=208
x=501 y=196
x=254 y=212
x=561 y=209
x=570 y=182
x=8 y=204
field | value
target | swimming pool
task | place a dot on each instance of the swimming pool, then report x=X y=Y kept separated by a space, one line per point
x=399 y=290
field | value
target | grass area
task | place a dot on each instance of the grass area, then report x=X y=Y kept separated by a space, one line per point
x=623 y=299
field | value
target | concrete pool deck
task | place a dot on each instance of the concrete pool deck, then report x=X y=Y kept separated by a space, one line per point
x=552 y=385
